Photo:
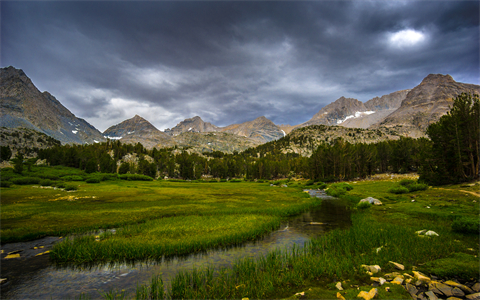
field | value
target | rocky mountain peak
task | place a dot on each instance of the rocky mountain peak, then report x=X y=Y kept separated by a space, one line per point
x=436 y=79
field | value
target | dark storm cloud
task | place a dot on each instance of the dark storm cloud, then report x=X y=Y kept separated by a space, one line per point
x=230 y=62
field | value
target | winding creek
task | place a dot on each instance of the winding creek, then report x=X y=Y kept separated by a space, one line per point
x=47 y=281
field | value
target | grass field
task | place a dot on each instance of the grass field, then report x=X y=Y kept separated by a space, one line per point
x=338 y=255
x=152 y=218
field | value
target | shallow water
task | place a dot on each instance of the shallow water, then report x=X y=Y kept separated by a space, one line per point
x=53 y=282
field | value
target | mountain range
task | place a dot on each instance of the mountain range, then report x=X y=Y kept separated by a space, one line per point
x=401 y=113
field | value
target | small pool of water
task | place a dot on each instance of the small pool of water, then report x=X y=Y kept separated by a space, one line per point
x=54 y=282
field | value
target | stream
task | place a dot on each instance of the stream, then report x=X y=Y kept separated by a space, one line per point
x=44 y=280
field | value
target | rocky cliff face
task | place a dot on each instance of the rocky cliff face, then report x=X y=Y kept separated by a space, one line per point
x=337 y=112
x=261 y=129
x=425 y=104
x=137 y=129
x=195 y=124
x=23 y=105
x=381 y=108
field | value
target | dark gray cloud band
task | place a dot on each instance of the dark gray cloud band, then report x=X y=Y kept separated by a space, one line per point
x=230 y=62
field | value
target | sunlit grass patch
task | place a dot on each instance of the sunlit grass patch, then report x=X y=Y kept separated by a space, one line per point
x=167 y=236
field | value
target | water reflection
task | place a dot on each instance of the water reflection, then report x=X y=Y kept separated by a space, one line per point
x=69 y=281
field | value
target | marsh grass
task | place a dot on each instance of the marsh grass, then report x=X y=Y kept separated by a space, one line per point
x=173 y=236
x=338 y=255
x=29 y=212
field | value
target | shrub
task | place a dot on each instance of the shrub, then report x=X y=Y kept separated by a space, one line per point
x=46 y=182
x=5 y=184
x=364 y=205
x=398 y=190
x=223 y=180
x=135 y=177
x=417 y=187
x=406 y=182
x=466 y=225
x=26 y=180
x=92 y=180
x=213 y=180
x=235 y=180
x=71 y=188
x=60 y=185
x=73 y=178
x=310 y=182
x=335 y=192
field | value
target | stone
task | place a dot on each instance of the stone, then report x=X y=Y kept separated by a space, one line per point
x=391 y=276
x=339 y=286
x=387 y=289
x=371 y=201
x=379 y=280
x=373 y=268
x=2 y=280
x=422 y=278
x=407 y=275
x=440 y=287
x=368 y=296
x=431 y=295
x=421 y=296
x=301 y=294
x=411 y=290
x=454 y=298
x=421 y=232
x=457 y=292
x=464 y=288
x=431 y=233
x=339 y=296
x=397 y=265
x=9 y=256
x=397 y=280
x=475 y=296
x=476 y=287
x=48 y=251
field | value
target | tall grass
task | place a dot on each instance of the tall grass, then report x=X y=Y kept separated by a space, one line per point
x=337 y=255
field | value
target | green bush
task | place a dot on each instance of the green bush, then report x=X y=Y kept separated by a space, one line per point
x=60 y=185
x=398 y=190
x=46 y=182
x=213 y=180
x=235 y=180
x=466 y=225
x=459 y=265
x=223 y=180
x=92 y=180
x=73 y=178
x=135 y=177
x=4 y=183
x=71 y=188
x=417 y=187
x=310 y=182
x=406 y=182
x=364 y=205
x=26 y=180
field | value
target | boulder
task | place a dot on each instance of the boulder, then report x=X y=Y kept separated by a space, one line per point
x=397 y=280
x=431 y=295
x=422 y=278
x=397 y=265
x=431 y=233
x=368 y=296
x=476 y=287
x=379 y=280
x=457 y=292
x=339 y=296
x=440 y=288
x=475 y=296
x=339 y=286
x=464 y=288
x=373 y=268
x=371 y=201
x=411 y=290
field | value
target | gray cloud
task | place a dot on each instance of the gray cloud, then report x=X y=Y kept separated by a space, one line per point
x=230 y=62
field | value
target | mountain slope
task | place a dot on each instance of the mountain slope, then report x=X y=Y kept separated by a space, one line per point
x=261 y=129
x=195 y=124
x=137 y=129
x=425 y=104
x=23 y=105
x=337 y=112
x=381 y=106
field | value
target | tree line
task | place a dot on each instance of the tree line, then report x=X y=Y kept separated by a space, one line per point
x=451 y=155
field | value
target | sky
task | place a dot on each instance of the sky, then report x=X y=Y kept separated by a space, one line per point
x=231 y=62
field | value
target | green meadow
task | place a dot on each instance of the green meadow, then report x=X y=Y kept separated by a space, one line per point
x=379 y=234
x=150 y=218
